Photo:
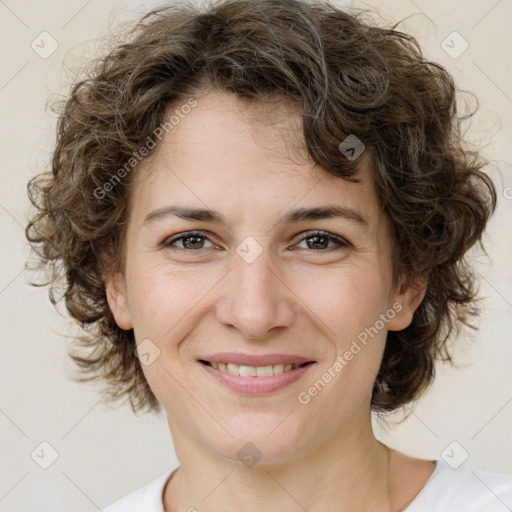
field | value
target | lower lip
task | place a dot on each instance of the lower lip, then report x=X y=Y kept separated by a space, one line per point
x=258 y=385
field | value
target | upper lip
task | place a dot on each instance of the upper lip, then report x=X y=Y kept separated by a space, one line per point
x=253 y=360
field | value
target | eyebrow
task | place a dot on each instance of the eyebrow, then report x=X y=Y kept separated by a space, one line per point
x=291 y=217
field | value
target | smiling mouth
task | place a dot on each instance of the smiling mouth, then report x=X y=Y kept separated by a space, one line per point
x=254 y=371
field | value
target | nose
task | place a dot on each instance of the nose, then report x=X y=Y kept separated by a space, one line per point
x=255 y=299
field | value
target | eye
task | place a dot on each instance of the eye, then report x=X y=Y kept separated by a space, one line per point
x=192 y=240
x=195 y=240
x=321 y=239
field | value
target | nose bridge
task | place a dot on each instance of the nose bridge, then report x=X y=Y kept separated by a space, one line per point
x=255 y=300
x=255 y=279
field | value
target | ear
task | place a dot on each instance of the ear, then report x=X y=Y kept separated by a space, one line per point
x=117 y=297
x=409 y=297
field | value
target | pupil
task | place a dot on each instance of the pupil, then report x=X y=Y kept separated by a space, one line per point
x=316 y=238
x=192 y=245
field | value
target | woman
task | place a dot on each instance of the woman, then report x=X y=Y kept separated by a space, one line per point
x=261 y=212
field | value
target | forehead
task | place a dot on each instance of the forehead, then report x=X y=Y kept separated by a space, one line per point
x=251 y=159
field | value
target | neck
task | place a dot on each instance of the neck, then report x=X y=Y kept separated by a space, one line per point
x=348 y=471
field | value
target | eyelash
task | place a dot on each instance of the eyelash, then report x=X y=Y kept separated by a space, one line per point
x=342 y=244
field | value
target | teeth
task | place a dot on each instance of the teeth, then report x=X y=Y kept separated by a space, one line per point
x=278 y=368
x=262 y=371
x=248 y=371
x=254 y=371
x=234 y=369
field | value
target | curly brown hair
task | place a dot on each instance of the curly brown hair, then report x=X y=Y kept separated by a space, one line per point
x=348 y=76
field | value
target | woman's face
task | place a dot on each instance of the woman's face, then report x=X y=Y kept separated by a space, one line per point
x=257 y=281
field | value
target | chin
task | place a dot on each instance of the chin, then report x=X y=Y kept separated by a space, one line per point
x=259 y=447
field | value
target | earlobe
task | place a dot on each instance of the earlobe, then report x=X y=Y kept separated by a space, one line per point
x=115 y=288
x=409 y=297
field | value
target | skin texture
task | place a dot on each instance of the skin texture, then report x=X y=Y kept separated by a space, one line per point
x=294 y=298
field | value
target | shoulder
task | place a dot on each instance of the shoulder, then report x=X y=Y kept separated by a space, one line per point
x=465 y=488
x=147 y=498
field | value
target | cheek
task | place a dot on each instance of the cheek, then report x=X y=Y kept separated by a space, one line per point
x=346 y=302
x=350 y=307
x=164 y=304
x=161 y=300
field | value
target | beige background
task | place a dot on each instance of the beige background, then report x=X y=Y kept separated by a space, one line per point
x=104 y=454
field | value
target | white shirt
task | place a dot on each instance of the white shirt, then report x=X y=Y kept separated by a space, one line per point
x=448 y=490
